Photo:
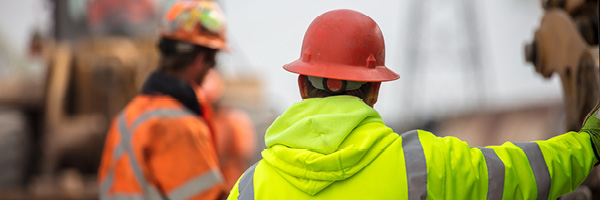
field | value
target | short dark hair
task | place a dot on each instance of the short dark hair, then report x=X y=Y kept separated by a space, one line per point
x=313 y=92
x=176 y=55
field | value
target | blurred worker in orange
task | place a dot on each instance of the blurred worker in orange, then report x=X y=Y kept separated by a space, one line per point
x=234 y=131
x=161 y=145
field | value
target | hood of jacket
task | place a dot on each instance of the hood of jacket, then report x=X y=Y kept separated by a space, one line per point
x=323 y=140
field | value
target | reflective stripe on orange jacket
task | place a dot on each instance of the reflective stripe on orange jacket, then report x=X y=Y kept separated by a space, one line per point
x=156 y=149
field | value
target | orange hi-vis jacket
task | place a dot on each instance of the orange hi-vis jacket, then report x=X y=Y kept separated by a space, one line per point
x=158 y=149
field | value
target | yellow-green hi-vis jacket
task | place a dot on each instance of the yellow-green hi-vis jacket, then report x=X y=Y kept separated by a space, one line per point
x=339 y=148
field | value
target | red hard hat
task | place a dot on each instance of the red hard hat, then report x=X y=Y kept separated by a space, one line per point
x=345 y=45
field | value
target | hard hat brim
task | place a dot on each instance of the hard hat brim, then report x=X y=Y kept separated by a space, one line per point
x=342 y=72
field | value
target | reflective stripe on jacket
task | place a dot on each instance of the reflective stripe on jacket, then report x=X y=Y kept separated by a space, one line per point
x=157 y=149
x=366 y=160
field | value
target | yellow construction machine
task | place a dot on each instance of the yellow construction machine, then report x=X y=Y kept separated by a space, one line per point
x=52 y=133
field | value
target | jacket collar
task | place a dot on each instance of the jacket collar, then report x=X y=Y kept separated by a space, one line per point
x=161 y=84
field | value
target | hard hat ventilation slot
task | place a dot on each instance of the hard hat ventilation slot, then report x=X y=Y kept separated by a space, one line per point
x=371 y=61
x=306 y=55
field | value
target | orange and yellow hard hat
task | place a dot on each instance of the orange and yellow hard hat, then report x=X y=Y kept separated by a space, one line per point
x=199 y=22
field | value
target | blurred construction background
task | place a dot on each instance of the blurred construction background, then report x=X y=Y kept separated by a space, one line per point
x=483 y=71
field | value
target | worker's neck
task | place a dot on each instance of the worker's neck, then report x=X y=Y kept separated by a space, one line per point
x=182 y=75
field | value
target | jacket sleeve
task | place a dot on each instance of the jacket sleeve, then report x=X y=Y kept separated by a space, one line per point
x=535 y=170
x=183 y=161
x=234 y=193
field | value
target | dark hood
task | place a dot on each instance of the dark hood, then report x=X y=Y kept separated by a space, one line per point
x=161 y=84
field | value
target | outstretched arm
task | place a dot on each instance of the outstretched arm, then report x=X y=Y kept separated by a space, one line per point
x=535 y=170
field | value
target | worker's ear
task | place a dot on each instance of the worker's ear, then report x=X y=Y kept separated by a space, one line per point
x=302 y=86
x=371 y=98
x=196 y=65
x=198 y=68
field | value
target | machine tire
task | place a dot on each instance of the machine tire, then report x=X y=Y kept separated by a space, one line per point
x=14 y=148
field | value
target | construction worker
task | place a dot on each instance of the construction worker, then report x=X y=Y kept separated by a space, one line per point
x=161 y=145
x=334 y=145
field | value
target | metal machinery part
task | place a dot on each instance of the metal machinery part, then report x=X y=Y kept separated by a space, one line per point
x=559 y=46
x=566 y=43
